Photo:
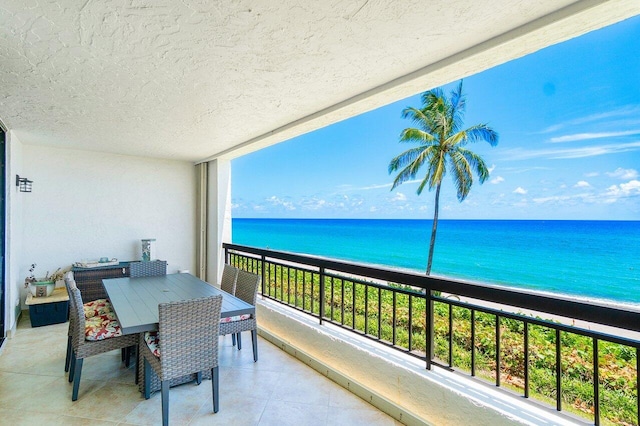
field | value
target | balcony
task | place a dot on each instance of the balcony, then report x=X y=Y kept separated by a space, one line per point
x=411 y=337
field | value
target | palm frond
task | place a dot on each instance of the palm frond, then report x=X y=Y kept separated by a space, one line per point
x=407 y=157
x=416 y=135
x=416 y=116
x=458 y=106
x=461 y=172
x=482 y=132
x=476 y=163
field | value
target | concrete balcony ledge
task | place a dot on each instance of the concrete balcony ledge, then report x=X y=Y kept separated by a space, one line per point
x=397 y=384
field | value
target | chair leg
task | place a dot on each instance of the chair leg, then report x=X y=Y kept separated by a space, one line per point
x=137 y=365
x=233 y=339
x=67 y=360
x=164 y=386
x=254 y=341
x=147 y=379
x=239 y=341
x=76 y=379
x=122 y=354
x=215 y=389
x=72 y=366
x=199 y=377
x=127 y=356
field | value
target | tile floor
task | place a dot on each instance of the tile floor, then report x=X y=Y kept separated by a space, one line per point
x=277 y=390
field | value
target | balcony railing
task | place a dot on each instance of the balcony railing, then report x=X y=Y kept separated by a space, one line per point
x=487 y=332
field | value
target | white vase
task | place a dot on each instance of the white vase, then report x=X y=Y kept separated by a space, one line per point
x=42 y=288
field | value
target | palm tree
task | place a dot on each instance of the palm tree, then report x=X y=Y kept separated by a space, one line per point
x=441 y=147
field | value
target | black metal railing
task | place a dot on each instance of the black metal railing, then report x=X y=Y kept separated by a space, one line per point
x=457 y=326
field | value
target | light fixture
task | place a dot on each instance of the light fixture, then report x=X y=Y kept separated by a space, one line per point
x=23 y=184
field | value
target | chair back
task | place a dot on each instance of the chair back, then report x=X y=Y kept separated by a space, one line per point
x=188 y=334
x=76 y=314
x=247 y=286
x=153 y=268
x=229 y=278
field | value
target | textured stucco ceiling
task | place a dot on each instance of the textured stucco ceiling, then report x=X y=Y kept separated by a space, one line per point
x=190 y=79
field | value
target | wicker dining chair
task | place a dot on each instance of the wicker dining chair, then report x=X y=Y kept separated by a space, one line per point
x=186 y=343
x=153 y=268
x=102 y=335
x=246 y=289
x=228 y=284
x=229 y=279
x=91 y=310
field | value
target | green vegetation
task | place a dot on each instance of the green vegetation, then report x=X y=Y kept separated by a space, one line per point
x=374 y=311
x=441 y=146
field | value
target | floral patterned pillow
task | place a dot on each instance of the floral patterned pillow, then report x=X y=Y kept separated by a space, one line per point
x=97 y=307
x=102 y=327
x=235 y=318
x=153 y=342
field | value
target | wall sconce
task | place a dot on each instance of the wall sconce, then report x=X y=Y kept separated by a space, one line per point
x=23 y=184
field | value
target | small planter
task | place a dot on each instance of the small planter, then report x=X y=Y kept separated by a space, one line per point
x=42 y=288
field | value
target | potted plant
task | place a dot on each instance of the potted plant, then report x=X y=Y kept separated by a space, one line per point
x=42 y=287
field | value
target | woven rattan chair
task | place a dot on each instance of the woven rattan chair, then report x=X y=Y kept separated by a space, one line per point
x=152 y=268
x=91 y=309
x=229 y=279
x=186 y=342
x=228 y=284
x=83 y=348
x=246 y=289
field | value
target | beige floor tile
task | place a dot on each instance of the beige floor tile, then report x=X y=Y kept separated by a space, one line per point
x=277 y=390
x=235 y=409
x=355 y=416
x=283 y=413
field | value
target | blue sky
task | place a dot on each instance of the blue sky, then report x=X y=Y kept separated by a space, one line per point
x=568 y=118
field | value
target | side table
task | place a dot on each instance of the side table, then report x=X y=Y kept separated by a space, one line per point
x=49 y=310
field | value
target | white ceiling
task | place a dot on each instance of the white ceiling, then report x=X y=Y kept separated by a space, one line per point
x=195 y=79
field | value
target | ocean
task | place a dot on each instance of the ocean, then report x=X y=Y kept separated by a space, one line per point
x=588 y=259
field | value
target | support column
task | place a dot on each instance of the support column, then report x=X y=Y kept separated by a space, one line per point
x=218 y=217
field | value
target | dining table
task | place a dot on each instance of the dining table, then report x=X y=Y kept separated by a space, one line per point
x=135 y=300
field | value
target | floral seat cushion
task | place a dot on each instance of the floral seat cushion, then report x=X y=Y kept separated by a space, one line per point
x=153 y=342
x=102 y=327
x=235 y=318
x=97 y=307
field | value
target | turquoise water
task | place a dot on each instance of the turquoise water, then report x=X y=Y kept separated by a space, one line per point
x=594 y=259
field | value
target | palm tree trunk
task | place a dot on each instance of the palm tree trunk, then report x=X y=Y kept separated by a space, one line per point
x=434 y=229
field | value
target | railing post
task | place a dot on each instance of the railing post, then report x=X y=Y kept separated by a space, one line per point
x=321 y=294
x=430 y=322
x=262 y=258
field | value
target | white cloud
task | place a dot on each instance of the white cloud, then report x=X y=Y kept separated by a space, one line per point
x=624 y=174
x=492 y=168
x=629 y=189
x=590 y=136
x=567 y=153
x=497 y=180
x=582 y=184
x=592 y=174
x=623 y=112
x=288 y=205
x=399 y=197
x=520 y=190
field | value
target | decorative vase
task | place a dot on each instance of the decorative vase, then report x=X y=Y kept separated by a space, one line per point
x=148 y=249
x=41 y=288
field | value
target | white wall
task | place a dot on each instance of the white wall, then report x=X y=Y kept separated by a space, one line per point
x=87 y=205
x=219 y=216
x=14 y=162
